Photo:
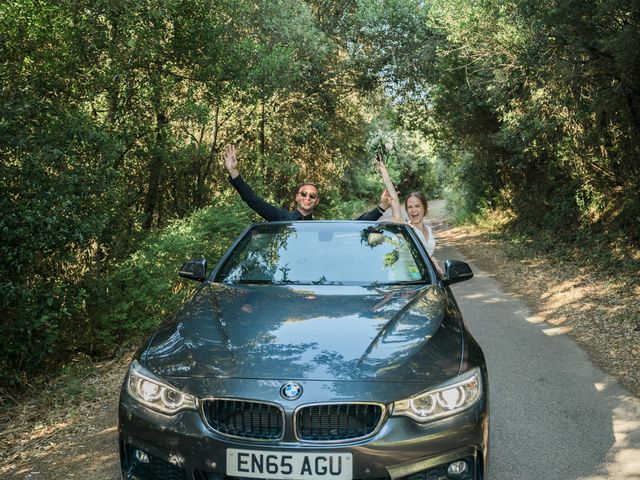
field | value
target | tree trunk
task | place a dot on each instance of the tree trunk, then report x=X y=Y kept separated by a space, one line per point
x=156 y=165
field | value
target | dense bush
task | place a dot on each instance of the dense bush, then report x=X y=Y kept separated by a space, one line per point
x=102 y=312
x=112 y=116
x=140 y=290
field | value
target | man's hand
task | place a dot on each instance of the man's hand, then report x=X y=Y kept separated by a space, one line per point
x=385 y=200
x=230 y=160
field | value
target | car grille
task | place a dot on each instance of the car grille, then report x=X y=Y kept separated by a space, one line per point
x=243 y=419
x=336 y=422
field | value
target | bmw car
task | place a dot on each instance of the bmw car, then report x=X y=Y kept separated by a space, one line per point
x=312 y=350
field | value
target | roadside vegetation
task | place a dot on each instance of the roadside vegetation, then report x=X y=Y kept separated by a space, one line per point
x=113 y=114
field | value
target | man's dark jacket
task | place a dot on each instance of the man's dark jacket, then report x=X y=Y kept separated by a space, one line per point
x=274 y=214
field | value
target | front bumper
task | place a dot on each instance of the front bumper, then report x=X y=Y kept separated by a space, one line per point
x=183 y=447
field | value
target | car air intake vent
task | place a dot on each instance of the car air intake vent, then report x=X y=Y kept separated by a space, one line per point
x=238 y=418
x=336 y=422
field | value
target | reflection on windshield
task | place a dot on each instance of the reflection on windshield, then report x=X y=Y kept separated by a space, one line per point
x=324 y=254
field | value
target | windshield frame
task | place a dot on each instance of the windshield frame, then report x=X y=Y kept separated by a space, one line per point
x=429 y=276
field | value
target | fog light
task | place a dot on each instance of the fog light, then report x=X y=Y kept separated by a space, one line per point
x=141 y=456
x=457 y=469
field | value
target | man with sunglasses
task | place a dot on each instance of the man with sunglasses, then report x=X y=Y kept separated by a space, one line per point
x=307 y=196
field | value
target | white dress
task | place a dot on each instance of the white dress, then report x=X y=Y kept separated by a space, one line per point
x=429 y=244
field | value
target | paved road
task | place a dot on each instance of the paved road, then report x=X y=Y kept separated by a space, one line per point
x=554 y=415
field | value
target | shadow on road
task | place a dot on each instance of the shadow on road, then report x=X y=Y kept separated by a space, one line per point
x=554 y=415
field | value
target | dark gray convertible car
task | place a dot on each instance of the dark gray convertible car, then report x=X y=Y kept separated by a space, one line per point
x=313 y=350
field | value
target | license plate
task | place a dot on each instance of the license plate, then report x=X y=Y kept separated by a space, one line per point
x=288 y=465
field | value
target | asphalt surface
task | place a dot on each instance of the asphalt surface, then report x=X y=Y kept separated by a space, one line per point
x=554 y=415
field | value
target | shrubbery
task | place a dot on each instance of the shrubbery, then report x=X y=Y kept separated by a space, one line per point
x=145 y=287
x=99 y=315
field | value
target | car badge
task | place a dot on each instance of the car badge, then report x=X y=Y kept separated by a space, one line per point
x=291 y=391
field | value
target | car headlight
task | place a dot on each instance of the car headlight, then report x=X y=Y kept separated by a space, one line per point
x=149 y=390
x=447 y=399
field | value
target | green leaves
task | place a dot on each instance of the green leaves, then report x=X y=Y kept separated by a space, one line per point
x=112 y=118
x=113 y=114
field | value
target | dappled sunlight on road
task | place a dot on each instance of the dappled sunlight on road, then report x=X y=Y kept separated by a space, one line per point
x=549 y=401
x=474 y=296
x=623 y=459
x=481 y=297
x=494 y=300
x=556 y=331
x=534 y=318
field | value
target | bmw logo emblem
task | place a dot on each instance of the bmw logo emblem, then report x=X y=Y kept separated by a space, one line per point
x=291 y=390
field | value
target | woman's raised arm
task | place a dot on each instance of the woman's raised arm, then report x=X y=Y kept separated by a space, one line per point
x=388 y=184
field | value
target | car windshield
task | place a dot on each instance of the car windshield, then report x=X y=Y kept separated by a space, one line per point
x=325 y=253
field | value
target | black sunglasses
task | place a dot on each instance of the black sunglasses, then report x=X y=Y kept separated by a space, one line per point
x=312 y=196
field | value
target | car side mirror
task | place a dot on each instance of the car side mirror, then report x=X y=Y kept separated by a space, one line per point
x=456 y=271
x=194 y=270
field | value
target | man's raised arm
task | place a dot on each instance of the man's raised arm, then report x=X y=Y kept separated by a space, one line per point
x=376 y=213
x=258 y=205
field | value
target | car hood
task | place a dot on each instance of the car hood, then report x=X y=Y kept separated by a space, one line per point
x=391 y=333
